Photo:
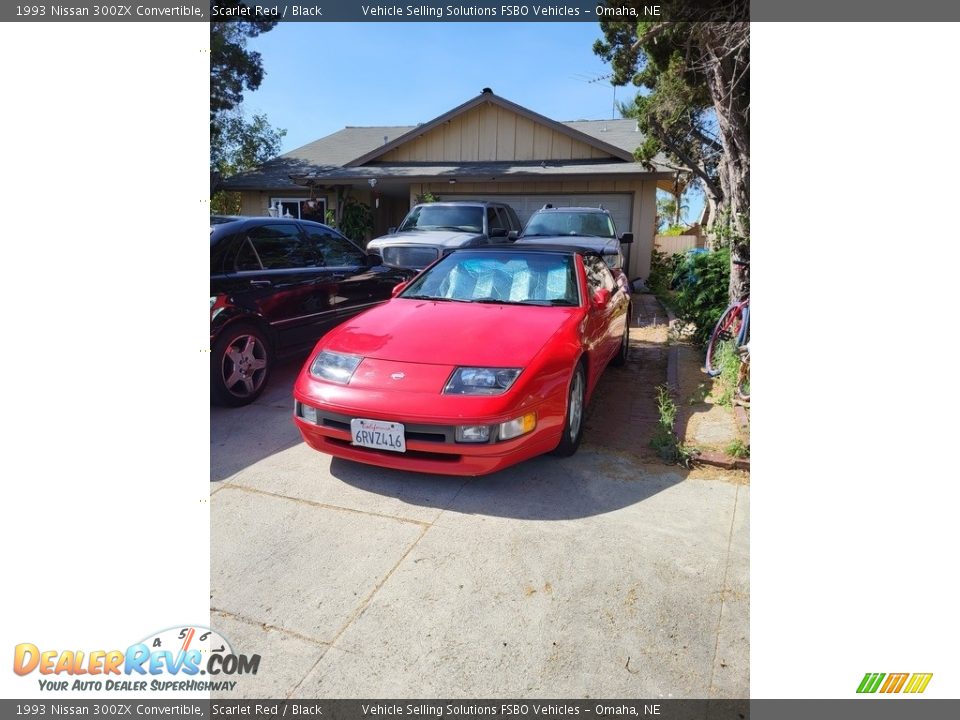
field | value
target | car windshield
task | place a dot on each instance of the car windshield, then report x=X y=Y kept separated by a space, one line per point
x=509 y=278
x=444 y=217
x=594 y=224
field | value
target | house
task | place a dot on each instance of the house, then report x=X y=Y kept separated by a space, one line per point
x=486 y=148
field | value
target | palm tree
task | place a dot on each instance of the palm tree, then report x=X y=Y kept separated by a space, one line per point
x=670 y=210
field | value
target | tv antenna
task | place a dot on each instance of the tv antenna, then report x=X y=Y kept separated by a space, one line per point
x=593 y=79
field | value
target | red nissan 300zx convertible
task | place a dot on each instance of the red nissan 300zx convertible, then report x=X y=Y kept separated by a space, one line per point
x=485 y=359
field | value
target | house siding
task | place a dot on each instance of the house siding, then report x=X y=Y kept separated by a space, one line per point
x=491 y=133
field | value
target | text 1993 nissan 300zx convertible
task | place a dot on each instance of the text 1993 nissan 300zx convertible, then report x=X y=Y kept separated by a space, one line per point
x=485 y=359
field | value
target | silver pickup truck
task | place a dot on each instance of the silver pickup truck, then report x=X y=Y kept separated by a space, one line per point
x=432 y=229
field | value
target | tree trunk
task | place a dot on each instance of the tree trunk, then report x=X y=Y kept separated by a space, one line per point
x=728 y=83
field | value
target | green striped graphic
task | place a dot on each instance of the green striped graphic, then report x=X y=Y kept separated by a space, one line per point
x=870 y=682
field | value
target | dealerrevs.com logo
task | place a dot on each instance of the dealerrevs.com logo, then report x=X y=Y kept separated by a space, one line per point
x=894 y=682
x=172 y=659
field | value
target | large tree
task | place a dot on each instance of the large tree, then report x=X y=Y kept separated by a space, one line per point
x=240 y=144
x=234 y=68
x=237 y=143
x=693 y=105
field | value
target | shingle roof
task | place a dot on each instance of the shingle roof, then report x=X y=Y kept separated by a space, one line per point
x=619 y=133
x=329 y=155
x=345 y=145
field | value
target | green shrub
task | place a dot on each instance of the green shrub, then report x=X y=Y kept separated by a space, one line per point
x=356 y=220
x=702 y=302
x=738 y=450
x=659 y=278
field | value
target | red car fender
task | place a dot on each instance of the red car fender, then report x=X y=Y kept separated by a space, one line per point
x=552 y=368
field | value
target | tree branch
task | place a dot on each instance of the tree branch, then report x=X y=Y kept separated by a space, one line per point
x=685 y=158
x=710 y=142
x=655 y=30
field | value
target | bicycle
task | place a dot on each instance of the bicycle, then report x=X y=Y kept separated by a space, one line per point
x=733 y=326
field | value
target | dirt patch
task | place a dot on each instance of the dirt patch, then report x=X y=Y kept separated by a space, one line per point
x=702 y=422
x=623 y=412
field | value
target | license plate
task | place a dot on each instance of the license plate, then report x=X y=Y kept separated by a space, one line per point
x=378 y=434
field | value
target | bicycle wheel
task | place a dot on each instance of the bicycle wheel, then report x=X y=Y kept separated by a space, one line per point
x=743 y=337
x=727 y=329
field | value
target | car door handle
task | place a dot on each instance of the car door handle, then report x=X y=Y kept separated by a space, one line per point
x=261 y=283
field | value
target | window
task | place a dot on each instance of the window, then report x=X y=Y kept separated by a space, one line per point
x=495 y=226
x=335 y=251
x=514 y=221
x=275 y=247
x=301 y=208
x=247 y=258
x=546 y=224
x=444 y=217
x=596 y=224
x=527 y=279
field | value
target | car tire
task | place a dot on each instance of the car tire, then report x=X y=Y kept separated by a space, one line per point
x=240 y=365
x=623 y=352
x=573 y=425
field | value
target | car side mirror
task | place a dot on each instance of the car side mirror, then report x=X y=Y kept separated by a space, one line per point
x=498 y=232
x=601 y=298
x=626 y=238
x=391 y=231
x=398 y=288
x=513 y=235
x=373 y=260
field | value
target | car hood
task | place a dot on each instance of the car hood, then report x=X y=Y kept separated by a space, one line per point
x=604 y=246
x=436 y=238
x=451 y=333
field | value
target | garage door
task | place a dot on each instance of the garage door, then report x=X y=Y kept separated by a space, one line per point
x=620 y=205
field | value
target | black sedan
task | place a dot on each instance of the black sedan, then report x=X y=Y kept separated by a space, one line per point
x=276 y=286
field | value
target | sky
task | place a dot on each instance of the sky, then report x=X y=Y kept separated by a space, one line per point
x=320 y=78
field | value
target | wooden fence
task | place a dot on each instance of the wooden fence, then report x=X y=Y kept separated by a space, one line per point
x=671 y=244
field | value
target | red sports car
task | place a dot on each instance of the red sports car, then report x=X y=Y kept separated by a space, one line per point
x=488 y=357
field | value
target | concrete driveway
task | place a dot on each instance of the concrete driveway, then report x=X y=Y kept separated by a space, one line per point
x=602 y=575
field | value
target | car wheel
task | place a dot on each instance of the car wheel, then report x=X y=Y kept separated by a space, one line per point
x=573 y=427
x=620 y=359
x=240 y=365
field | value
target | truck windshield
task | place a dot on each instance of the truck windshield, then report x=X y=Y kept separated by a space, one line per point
x=444 y=217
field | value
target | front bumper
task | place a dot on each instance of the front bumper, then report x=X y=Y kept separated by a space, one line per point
x=431 y=447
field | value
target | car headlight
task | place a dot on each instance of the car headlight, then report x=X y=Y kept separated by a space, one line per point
x=481 y=381
x=473 y=433
x=335 y=367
